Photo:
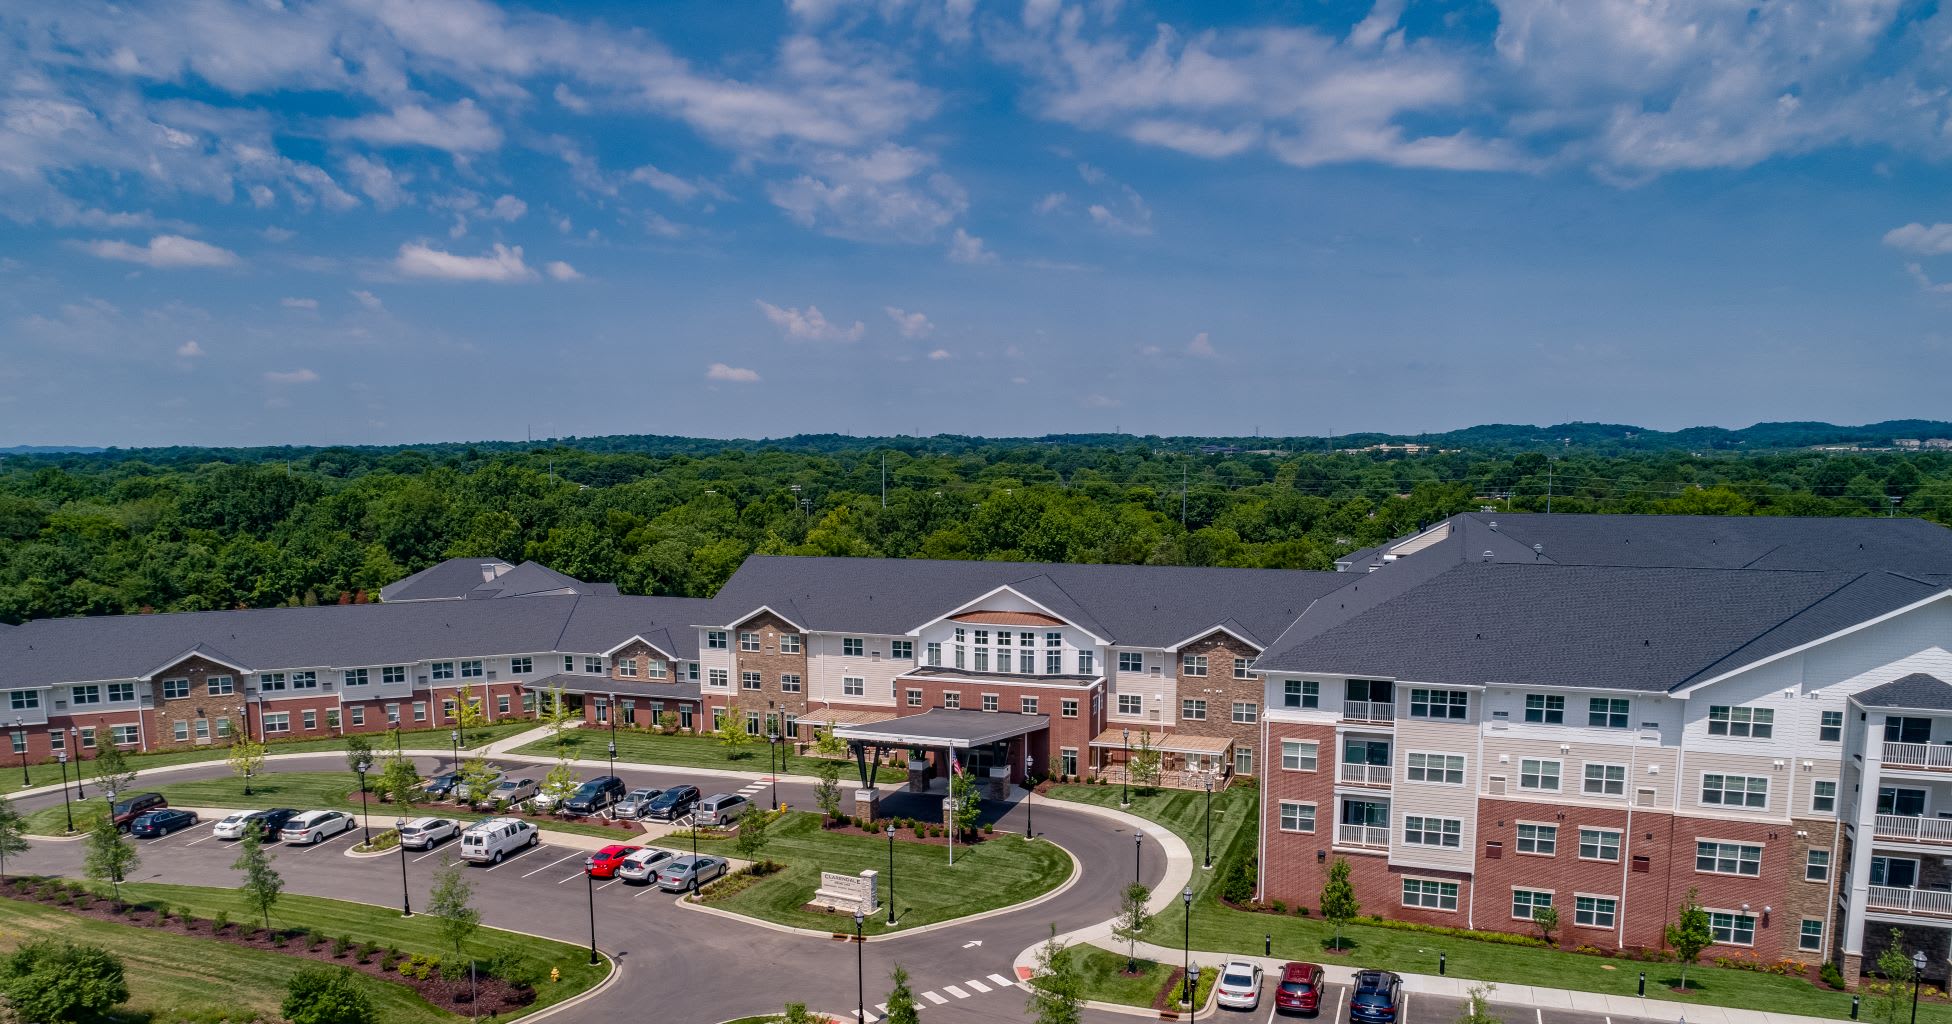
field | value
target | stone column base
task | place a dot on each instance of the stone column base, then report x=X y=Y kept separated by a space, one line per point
x=867 y=803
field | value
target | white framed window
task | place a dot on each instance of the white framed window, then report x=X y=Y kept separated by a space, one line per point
x=901 y=650
x=441 y=670
x=750 y=681
x=716 y=677
x=393 y=714
x=304 y=680
x=1525 y=901
x=1067 y=761
x=1419 y=830
x=1240 y=668
x=1442 y=768
x=472 y=669
x=219 y=686
x=853 y=686
x=1809 y=937
x=1735 y=790
x=353 y=677
x=1608 y=712
x=87 y=737
x=501 y=704
x=1087 y=664
x=1605 y=780
x=626 y=666
x=593 y=665
x=1754 y=723
x=1831 y=731
x=1299 y=755
x=1718 y=858
x=1823 y=796
x=983 y=657
x=420 y=711
x=932 y=654
x=357 y=716
x=1539 y=774
x=1068 y=708
x=277 y=722
x=203 y=729
x=90 y=694
x=1131 y=661
x=179 y=731
x=173 y=689
x=331 y=718
x=749 y=642
x=1594 y=911
x=989 y=702
x=1246 y=712
x=1542 y=840
x=789 y=682
x=1545 y=708
x=393 y=675
x=1028 y=705
x=1131 y=704
x=855 y=647
x=1297 y=816
x=789 y=643
x=1599 y=844
x=1301 y=693
x=27 y=700
x=121 y=692
x=124 y=735
x=1731 y=928
x=715 y=640
x=656 y=668
x=1429 y=894
x=1816 y=866
x=569 y=663
x=1192 y=664
x=447 y=707
x=310 y=718
x=1192 y=710
x=1447 y=704
x=952 y=698
x=914 y=698
x=521 y=666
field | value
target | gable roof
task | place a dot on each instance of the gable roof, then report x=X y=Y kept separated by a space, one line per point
x=474 y=579
x=1915 y=692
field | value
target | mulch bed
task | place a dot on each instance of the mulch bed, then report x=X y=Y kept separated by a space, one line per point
x=493 y=993
x=905 y=835
x=1164 y=1001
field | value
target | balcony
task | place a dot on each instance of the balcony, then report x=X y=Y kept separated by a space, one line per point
x=1913 y=828
x=1909 y=901
x=1368 y=711
x=1921 y=756
x=1363 y=774
x=1362 y=835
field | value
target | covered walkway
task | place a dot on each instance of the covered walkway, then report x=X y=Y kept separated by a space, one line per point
x=991 y=743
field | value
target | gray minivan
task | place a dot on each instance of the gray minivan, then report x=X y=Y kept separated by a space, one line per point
x=721 y=809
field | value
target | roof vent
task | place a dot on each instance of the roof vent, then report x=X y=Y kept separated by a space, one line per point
x=1646 y=643
x=1538 y=549
x=1494 y=526
x=1487 y=556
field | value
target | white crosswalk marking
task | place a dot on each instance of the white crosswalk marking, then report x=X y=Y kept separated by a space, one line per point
x=933 y=998
x=883 y=1007
x=869 y=1019
x=954 y=991
x=1001 y=980
x=977 y=985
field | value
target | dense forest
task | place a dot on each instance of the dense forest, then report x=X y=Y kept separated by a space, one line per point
x=171 y=529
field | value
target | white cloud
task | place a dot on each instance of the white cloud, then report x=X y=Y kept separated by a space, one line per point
x=1935 y=240
x=275 y=233
x=502 y=264
x=731 y=374
x=298 y=376
x=1201 y=346
x=569 y=101
x=1051 y=203
x=1925 y=281
x=377 y=181
x=1133 y=217
x=940 y=354
x=165 y=252
x=1095 y=401
x=910 y=325
x=368 y=299
x=810 y=324
x=462 y=128
x=890 y=193
x=298 y=303
x=508 y=208
x=667 y=183
x=189 y=350
x=561 y=271
x=967 y=248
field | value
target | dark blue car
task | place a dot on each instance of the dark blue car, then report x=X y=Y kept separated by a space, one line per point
x=156 y=824
x=1376 y=997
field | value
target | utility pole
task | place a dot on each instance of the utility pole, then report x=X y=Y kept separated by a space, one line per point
x=1182 y=495
x=884 y=480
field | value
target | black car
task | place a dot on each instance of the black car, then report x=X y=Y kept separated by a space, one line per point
x=595 y=795
x=128 y=809
x=441 y=786
x=272 y=822
x=1375 y=997
x=672 y=804
x=156 y=824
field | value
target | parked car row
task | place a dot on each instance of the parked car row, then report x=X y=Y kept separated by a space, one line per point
x=1374 y=998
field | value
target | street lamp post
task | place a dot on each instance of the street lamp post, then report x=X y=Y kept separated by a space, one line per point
x=74 y=744
x=1209 y=823
x=406 y=902
x=610 y=712
x=589 y=883
x=613 y=757
x=773 y=748
x=1125 y=780
x=20 y=737
x=365 y=822
x=860 y=970
x=1917 y=974
x=1138 y=848
x=891 y=874
x=1029 y=822
x=456 y=737
x=65 y=806
x=1187 y=982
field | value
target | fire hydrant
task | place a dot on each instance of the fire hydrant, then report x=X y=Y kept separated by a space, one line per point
x=555 y=975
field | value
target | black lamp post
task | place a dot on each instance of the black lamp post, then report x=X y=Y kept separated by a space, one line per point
x=65 y=806
x=891 y=874
x=772 y=746
x=1125 y=780
x=1209 y=823
x=1138 y=847
x=613 y=757
x=860 y=970
x=456 y=737
x=1917 y=974
x=1186 y=983
x=74 y=738
x=694 y=842
x=1029 y=822
x=610 y=712
x=20 y=734
x=406 y=902
x=365 y=822
x=589 y=883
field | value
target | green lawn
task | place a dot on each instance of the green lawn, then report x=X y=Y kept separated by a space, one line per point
x=429 y=739
x=1001 y=871
x=686 y=751
x=1217 y=927
x=184 y=978
x=384 y=925
x=1106 y=981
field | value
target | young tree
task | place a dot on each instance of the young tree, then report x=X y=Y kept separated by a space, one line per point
x=1690 y=933
x=969 y=802
x=400 y=781
x=732 y=733
x=109 y=858
x=1477 y=1006
x=13 y=834
x=1339 y=905
x=1145 y=764
x=470 y=713
x=1133 y=918
x=246 y=759
x=901 y=1000
x=751 y=839
x=359 y=750
x=262 y=884
x=451 y=903
x=326 y=995
x=826 y=744
x=797 y=1013
x=1547 y=920
x=560 y=784
x=1056 y=986
x=1887 y=1006
x=478 y=778
x=667 y=723
x=112 y=770
x=57 y=982
x=826 y=792
x=553 y=711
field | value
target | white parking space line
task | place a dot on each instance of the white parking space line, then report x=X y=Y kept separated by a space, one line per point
x=608 y=884
x=430 y=852
x=933 y=998
x=1404 y=1017
x=881 y=1007
x=1339 y=993
x=212 y=835
x=1274 y=1009
x=954 y=991
x=1540 y=1011
x=574 y=877
x=1001 y=981
x=323 y=842
x=513 y=857
x=549 y=865
x=976 y=985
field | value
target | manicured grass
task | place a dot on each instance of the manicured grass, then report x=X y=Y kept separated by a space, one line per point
x=1217 y=927
x=998 y=872
x=186 y=978
x=1106 y=981
x=426 y=739
x=384 y=925
x=686 y=751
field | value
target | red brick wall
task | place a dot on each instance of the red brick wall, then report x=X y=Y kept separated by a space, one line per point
x=199 y=704
x=1220 y=690
x=1290 y=870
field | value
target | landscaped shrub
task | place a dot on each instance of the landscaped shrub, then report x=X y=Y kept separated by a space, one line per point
x=989 y=829
x=188 y=918
x=387 y=960
x=367 y=949
x=514 y=968
x=221 y=921
x=326 y=995
x=921 y=831
x=1831 y=975
x=453 y=968
x=1237 y=885
x=314 y=938
x=340 y=945
x=1500 y=938
x=54 y=981
x=1279 y=906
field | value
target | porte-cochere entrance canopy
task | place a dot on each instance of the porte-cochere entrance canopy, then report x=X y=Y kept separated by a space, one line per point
x=979 y=738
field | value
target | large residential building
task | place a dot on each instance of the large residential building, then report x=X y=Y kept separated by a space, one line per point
x=1497 y=714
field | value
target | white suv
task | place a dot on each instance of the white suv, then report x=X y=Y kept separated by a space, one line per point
x=491 y=840
x=315 y=827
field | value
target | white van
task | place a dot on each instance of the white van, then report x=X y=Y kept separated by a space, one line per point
x=491 y=840
x=721 y=810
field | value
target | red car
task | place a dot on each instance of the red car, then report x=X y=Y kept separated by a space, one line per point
x=605 y=862
x=1300 y=990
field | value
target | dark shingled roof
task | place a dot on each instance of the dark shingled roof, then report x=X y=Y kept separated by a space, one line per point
x=474 y=579
x=1915 y=692
x=1623 y=627
x=576 y=682
x=1142 y=605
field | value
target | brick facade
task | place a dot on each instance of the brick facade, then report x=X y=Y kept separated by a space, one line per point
x=770 y=699
x=1221 y=690
x=198 y=705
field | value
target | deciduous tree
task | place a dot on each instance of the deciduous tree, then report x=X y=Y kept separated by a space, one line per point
x=1339 y=904
x=108 y=856
x=326 y=995
x=452 y=904
x=1056 y=985
x=262 y=884
x=1690 y=933
x=112 y=769
x=901 y=1000
x=53 y=981
x=13 y=834
x=1132 y=920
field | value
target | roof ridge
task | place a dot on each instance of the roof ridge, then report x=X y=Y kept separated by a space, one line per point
x=1780 y=623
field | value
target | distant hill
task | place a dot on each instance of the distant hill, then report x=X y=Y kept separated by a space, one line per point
x=49 y=449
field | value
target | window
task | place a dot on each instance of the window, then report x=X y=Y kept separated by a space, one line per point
x=1546 y=708
x=354 y=677
x=1423 y=831
x=789 y=643
x=521 y=666
x=277 y=722
x=1593 y=911
x=1192 y=665
x=569 y=663
x=1445 y=768
x=655 y=668
x=87 y=737
x=1537 y=774
x=1246 y=712
x=173 y=689
x=1816 y=866
x=304 y=680
x=123 y=735
x=1240 y=668
x=715 y=677
x=393 y=714
x=952 y=698
x=989 y=702
x=1067 y=761
x=1430 y=894
x=1831 y=731
x=752 y=723
x=1605 y=780
x=593 y=665
x=1131 y=661
x=1727 y=858
x=749 y=642
x=420 y=711
x=914 y=698
x=1599 y=844
x=1809 y=938
x=358 y=717
x=447 y=707
x=855 y=647
x=219 y=686
x=57 y=740
x=472 y=669
x=1896 y=872
x=715 y=639
x=1298 y=755
x=789 y=682
x=121 y=691
x=1823 y=796
x=1439 y=703
x=310 y=718
x=750 y=681
x=1735 y=790
x=442 y=670
x=1054 y=663
x=1755 y=723
x=983 y=657
x=1607 y=713
x=1130 y=704
x=1297 y=817
x=1192 y=710
x=1068 y=707
x=85 y=694
x=1524 y=901
x=853 y=686
x=1539 y=839
x=1243 y=760
x=933 y=654
x=1087 y=663
x=903 y=650
x=179 y=730
x=626 y=666
x=1028 y=705
x=1301 y=693
x=393 y=675
x=1732 y=929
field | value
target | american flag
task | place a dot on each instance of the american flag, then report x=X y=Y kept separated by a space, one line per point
x=955 y=767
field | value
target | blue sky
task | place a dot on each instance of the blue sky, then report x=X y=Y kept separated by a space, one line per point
x=239 y=222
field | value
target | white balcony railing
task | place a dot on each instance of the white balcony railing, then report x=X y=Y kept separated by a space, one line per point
x=1369 y=711
x=1911 y=901
x=1362 y=835
x=1918 y=755
x=1363 y=774
x=1913 y=828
